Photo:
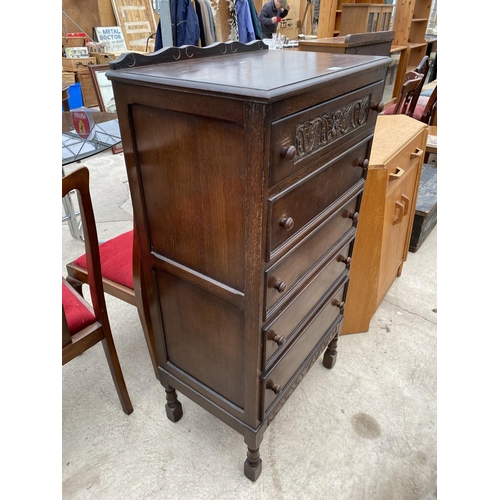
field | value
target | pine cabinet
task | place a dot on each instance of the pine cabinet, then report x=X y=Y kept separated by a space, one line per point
x=386 y=216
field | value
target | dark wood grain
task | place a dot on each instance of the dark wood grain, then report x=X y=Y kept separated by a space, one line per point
x=221 y=211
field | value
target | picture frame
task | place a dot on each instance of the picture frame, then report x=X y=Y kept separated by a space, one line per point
x=104 y=92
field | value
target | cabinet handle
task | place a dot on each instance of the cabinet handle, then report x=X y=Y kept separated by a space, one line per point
x=288 y=153
x=417 y=154
x=399 y=213
x=377 y=106
x=287 y=223
x=346 y=260
x=354 y=216
x=274 y=337
x=397 y=174
x=280 y=286
x=362 y=163
x=339 y=303
x=276 y=388
x=406 y=203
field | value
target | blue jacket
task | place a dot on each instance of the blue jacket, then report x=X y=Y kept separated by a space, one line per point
x=185 y=25
x=246 y=32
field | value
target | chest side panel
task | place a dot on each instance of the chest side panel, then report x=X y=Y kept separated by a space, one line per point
x=191 y=174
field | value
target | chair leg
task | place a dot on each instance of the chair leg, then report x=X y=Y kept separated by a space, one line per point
x=116 y=373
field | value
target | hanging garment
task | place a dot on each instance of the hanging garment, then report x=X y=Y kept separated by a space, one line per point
x=255 y=20
x=200 y=22
x=233 y=22
x=185 y=25
x=206 y=12
x=246 y=32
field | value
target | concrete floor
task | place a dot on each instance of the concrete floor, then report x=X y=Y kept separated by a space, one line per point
x=364 y=430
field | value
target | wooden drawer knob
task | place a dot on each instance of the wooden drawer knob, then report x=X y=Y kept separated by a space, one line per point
x=339 y=303
x=280 y=286
x=276 y=388
x=287 y=223
x=274 y=337
x=363 y=163
x=377 y=106
x=354 y=216
x=288 y=153
x=346 y=260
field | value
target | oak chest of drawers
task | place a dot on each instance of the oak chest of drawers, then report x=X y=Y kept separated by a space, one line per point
x=246 y=171
x=386 y=216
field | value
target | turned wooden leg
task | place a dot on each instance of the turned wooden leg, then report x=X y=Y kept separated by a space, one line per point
x=253 y=464
x=330 y=356
x=173 y=406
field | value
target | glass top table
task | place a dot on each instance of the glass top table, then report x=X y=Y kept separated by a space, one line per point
x=86 y=132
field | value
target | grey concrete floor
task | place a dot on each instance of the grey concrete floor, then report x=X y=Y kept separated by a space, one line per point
x=364 y=430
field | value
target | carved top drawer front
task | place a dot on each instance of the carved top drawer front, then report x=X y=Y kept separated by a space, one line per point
x=295 y=207
x=303 y=137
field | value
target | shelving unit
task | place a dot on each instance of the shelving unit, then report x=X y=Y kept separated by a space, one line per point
x=410 y=26
x=330 y=15
x=365 y=18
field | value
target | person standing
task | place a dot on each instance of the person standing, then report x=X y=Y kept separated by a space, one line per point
x=270 y=15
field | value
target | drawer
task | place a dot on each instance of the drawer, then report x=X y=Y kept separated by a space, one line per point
x=289 y=323
x=274 y=383
x=287 y=273
x=401 y=167
x=293 y=209
x=306 y=136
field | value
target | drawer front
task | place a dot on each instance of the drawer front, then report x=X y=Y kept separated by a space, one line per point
x=283 y=276
x=295 y=207
x=289 y=323
x=306 y=136
x=275 y=382
x=402 y=162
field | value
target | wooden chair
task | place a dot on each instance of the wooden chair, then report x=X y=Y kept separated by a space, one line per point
x=121 y=277
x=429 y=112
x=408 y=97
x=83 y=325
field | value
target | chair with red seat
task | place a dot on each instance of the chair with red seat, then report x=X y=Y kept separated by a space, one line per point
x=121 y=277
x=85 y=325
x=408 y=97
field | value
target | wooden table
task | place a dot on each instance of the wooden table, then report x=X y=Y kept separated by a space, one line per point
x=374 y=44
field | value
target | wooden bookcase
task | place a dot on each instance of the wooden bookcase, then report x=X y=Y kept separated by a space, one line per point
x=365 y=18
x=410 y=25
x=330 y=16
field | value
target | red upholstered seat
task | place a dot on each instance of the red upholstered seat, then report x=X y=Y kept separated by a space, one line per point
x=417 y=113
x=116 y=259
x=78 y=314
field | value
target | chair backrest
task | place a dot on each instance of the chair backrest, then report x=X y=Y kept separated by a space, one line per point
x=79 y=181
x=422 y=69
x=83 y=326
x=408 y=97
x=430 y=110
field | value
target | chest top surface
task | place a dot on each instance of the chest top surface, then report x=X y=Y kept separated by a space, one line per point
x=265 y=74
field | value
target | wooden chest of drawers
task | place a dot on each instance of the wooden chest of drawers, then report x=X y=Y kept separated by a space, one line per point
x=386 y=216
x=246 y=172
